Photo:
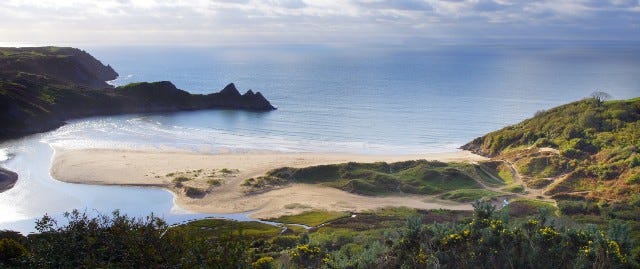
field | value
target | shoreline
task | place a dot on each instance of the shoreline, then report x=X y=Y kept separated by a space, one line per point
x=152 y=168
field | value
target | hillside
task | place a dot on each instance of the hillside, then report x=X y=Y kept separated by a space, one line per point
x=40 y=88
x=68 y=65
x=585 y=149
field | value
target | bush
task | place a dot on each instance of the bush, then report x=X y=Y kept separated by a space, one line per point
x=578 y=207
x=635 y=161
x=180 y=179
x=305 y=256
x=11 y=251
x=263 y=263
x=633 y=179
x=194 y=192
x=214 y=182
x=285 y=242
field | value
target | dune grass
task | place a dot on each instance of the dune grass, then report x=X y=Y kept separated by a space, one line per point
x=416 y=177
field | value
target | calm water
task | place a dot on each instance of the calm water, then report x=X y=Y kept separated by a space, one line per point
x=374 y=101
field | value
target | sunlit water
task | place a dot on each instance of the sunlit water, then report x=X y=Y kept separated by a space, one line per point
x=376 y=101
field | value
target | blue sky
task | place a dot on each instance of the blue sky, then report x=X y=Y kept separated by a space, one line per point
x=348 y=22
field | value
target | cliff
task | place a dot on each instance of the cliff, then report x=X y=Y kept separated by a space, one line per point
x=40 y=88
x=68 y=65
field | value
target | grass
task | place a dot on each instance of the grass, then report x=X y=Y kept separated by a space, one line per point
x=417 y=177
x=525 y=207
x=214 y=182
x=514 y=189
x=221 y=227
x=311 y=218
x=263 y=183
x=468 y=195
x=296 y=205
x=505 y=173
x=538 y=183
x=594 y=143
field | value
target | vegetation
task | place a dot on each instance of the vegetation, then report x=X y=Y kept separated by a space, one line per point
x=417 y=177
x=585 y=155
x=589 y=148
x=197 y=183
x=514 y=189
x=42 y=87
x=118 y=241
x=470 y=195
x=194 y=192
x=311 y=218
x=486 y=238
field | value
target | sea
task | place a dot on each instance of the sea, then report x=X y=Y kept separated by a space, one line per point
x=372 y=100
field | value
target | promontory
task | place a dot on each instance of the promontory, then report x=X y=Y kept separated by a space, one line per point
x=42 y=87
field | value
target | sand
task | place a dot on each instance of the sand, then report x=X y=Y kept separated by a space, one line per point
x=151 y=168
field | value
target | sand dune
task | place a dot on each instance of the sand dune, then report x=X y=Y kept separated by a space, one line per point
x=150 y=168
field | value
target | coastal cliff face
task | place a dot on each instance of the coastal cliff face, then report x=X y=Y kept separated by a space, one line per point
x=68 y=65
x=40 y=88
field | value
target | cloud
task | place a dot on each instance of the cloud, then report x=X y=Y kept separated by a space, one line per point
x=319 y=21
x=414 y=5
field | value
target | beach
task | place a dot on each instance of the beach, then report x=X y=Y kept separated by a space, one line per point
x=157 y=168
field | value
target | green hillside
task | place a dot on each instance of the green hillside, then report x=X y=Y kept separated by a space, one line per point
x=589 y=149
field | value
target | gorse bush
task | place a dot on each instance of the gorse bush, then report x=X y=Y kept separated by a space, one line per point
x=489 y=238
x=491 y=241
x=117 y=241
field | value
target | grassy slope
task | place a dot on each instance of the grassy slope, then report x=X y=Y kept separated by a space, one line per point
x=415 y=177
x=593 y=167
x=597 y=145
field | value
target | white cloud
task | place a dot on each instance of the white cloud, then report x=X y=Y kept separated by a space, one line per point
x=307 y=21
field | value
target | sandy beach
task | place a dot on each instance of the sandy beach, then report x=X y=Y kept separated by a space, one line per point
x=158 y=168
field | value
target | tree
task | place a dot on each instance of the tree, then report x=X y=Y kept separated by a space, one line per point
x=11 y=251
x=600 y=96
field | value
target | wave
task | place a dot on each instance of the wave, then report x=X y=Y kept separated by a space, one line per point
x=142 y=132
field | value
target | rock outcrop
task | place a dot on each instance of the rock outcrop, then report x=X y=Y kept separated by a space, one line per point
x=7 y=179
x=41 y=88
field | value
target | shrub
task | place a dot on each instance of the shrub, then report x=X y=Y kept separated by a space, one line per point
x=214 y=182
x=306 y=256
x=11 y=251
x=194 y=192
x=578 y=207
x=263 y=263
x=180 y=179
x=633 y=179
x=635 y=161
x=285 y=242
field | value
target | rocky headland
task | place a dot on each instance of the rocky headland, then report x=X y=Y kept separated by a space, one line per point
x=41 y=88
x=7 y=179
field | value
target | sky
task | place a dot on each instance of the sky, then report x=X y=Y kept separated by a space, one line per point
x=331 y=22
